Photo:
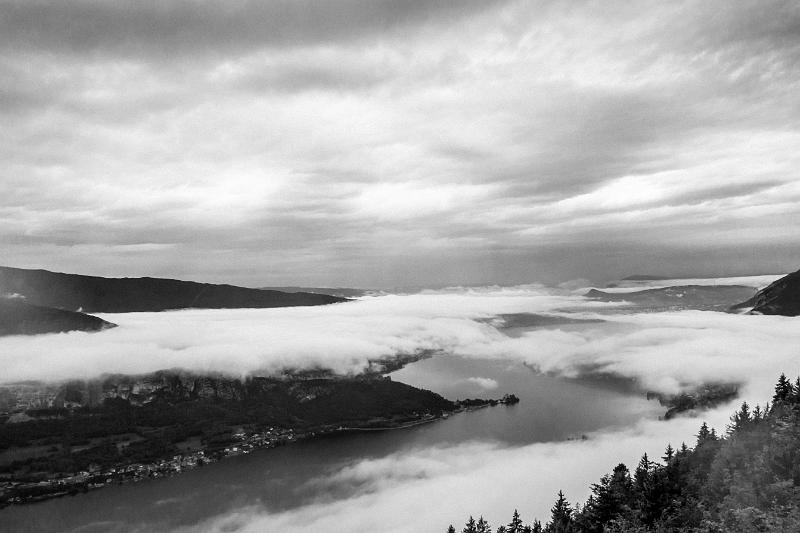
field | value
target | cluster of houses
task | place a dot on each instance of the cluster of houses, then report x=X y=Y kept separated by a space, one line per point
x=13 y=491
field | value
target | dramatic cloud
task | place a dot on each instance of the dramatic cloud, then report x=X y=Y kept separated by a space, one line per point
x=381 y=143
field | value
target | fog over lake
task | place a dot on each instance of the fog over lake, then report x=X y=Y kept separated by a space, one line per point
x=581 y=376
x=576 y=204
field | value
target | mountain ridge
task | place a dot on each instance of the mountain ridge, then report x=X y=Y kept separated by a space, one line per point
x=703 y=297
x=96 y=294
x=781 y=297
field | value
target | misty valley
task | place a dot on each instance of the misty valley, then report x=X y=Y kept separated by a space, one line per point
x=399 y=266
x=218 y=417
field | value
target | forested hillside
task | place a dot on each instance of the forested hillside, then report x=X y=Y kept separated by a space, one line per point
x=94 y=294
x=747 y=480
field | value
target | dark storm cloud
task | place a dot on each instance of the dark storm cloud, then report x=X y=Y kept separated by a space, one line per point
x=189 y=27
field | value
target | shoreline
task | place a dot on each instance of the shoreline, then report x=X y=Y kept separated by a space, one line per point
x=31 y=492
x=390 y=428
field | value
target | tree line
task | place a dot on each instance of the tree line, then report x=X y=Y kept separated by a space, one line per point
x=747 y=480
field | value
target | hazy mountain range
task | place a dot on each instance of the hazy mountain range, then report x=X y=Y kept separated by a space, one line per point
x=93 y=294
x=40 y=301
x=782 y=297
x=704 y=297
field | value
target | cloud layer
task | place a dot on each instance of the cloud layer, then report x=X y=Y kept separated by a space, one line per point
x=663 y=351
x=369 y=143
x=666 y=351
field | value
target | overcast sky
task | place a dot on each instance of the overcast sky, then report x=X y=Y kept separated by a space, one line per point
x=386 y=143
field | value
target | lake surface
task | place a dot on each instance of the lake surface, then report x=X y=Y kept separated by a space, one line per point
x=551 y=409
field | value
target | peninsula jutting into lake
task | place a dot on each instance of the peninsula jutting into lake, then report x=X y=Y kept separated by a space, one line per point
x=59 y=439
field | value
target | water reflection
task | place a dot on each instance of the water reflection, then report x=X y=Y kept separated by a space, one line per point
x=283 y=478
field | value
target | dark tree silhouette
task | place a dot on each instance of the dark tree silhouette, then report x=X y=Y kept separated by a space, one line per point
x=470 y=526
x=515 y=526
x=560 y=516
x=783 y=390
x=740 y=420
x=669 y=453
x=745 y=481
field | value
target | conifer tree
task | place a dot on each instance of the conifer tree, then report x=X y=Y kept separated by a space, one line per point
x=704 y=434
x=470 y=526
x=609 y=498
x=483 y=526
x=641 y=476
x=451 y=529
x=645 y=486
x=560 y=515
x=783 y=390
x=740 y=420
x=669 y=453
x=515 y=526
x=536 y=527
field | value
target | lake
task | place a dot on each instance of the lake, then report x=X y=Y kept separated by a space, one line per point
x=551 y=409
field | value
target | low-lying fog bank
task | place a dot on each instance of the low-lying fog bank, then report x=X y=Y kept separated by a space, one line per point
x=427 y=489
x=664 y=351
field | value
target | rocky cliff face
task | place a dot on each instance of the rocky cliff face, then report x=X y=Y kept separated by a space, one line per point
x=172 y=387
x=781 y=297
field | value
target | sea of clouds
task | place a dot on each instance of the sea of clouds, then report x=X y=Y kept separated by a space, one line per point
x=664 y=351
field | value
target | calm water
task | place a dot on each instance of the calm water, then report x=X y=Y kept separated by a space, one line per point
x=278 y=479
